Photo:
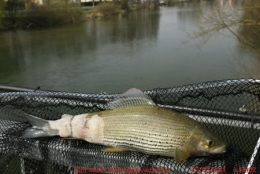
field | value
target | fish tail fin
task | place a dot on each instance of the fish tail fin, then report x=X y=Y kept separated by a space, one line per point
x=40 y=128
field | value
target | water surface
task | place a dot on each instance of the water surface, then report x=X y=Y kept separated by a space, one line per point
x=145 y=49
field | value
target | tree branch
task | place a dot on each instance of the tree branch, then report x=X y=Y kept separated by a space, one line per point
x=241 y=39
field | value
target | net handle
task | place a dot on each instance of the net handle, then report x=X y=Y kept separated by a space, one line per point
x=253 y=156
x=21 y=89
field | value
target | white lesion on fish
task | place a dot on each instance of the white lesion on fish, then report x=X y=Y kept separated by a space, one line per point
x=62 y=126
x=95 y=129
x=89 y=128
x=78 y=126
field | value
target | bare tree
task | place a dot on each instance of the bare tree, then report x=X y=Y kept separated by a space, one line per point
x=243 y=23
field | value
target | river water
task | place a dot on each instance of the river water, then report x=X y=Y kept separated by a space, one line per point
x=145 y=49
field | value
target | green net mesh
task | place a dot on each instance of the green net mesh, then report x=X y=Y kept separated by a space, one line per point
x=229 y=108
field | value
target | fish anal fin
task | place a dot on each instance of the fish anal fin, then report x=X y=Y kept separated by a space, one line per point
x=132 y=97
x=181 y=155
x=114 y=149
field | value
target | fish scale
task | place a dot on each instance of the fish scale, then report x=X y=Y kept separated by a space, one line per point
x=145 y=128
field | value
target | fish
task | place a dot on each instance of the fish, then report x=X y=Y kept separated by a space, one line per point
x=133 y=122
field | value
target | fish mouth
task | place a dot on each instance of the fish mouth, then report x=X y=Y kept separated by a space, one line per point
x=219 y=150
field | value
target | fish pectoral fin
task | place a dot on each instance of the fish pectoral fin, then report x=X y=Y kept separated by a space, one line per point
x=181 y=155
x=114 y=149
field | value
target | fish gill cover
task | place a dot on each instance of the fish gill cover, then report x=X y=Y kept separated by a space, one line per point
x=230 y=109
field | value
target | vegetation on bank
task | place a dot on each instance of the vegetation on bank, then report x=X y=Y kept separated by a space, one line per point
x=27 y=14
x=15 y=14
x=107 y=9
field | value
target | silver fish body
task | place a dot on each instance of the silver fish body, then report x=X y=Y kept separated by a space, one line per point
x=149 y=129
x=135 y=123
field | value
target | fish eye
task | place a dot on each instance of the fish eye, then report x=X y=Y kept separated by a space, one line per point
x=211 y=143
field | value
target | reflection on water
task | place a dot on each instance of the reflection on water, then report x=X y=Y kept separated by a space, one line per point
x=143 y=49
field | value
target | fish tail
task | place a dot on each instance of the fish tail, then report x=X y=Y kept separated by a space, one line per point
x=40 y=128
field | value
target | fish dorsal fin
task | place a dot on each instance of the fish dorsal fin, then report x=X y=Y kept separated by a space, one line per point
x=132 y=97
x=181 y=155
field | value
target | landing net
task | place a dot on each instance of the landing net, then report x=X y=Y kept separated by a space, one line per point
x=230 y=109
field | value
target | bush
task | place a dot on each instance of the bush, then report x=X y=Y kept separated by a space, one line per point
x=107 y=8
x=40 y=16
x=144 y=5
x=125 y=5
x=43 y=16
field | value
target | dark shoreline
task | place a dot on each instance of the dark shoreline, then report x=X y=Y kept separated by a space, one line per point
x=20 y=22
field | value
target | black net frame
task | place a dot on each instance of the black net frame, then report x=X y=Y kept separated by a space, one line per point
x=230 y=108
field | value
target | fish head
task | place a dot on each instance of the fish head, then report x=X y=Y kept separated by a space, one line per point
x=202 y=142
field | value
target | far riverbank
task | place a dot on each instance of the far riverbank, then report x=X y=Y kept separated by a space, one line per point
x=35 y=16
